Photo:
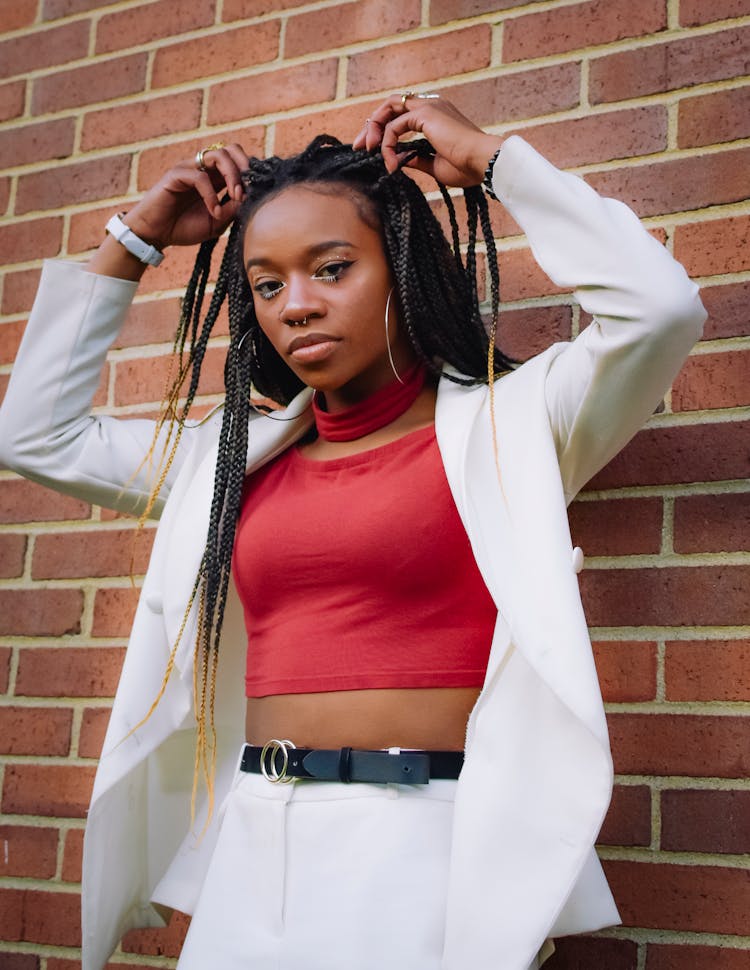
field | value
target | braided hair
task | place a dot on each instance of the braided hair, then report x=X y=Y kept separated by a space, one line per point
x=439 y=312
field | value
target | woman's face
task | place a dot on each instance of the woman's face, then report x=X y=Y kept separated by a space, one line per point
x=320 y=282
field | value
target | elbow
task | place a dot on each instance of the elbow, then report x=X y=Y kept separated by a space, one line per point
x=679 y=314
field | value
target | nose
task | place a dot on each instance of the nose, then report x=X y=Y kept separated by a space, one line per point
x=302 y=301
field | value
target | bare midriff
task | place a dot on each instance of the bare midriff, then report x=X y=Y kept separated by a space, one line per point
x=431 y=718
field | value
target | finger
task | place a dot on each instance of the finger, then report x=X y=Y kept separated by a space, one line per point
x=204 y=186
x=225 y=163
x=394 y=130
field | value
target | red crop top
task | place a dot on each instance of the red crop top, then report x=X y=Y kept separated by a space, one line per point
x=357 y=573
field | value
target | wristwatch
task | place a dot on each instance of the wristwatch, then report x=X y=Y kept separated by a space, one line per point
x=134 y=244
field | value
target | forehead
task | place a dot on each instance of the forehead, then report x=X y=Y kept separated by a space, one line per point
x=302 y=215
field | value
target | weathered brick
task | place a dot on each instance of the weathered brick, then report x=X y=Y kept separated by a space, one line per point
x=4 y=194
x=101 y=178
x=144 y=379
x=35 y=730
x=40 y=612
x=31 y=239
x=419 y=60
x=101 y=81
x=12 y=99
x=44 y=48
x=715 y=247
x=626 y=669
x=684 y=183
x=580 y=25
x=28 y=851
x=12 y=555
x=11 y=914
x=147 y=22
x=587 y=953
x=664 y=456
x=69 y=671
x=707 y=670
x=293 y=134
x=523 y=278
x=154 y=162
x=625 y=527
x=727 y=308
x=5 y=658
x=705 y=821
x=678 y=956
x=36 y=143
x=525 y=332
x=444 y=10
x=658 y=68
x=280 y=90
x=19 y=289
x=10 y=339
x=50 y=917
x=15 y=14
x=151 y=322
x=113 y=612
x=22 y=501
x=348 y=23
x=93 y=728
x=53 y=9
x=712 y=523
x=694 y=745
x=628 y=821
x=693 y=13
x=676 y=897
x=135 y=122
x=49 y=790
x=241 y=9
x=72 y=855
x=231 y=50
x=713 y=381
x=160 y=942
x=91 y=553
x=718 y=117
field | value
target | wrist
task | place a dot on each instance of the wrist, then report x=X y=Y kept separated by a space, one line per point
x=135 y=244
x=485 y=150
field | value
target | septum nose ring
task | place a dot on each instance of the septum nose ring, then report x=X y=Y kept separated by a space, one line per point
x=298 y=323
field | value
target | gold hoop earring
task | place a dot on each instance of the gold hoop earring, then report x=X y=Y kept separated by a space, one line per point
x=388 y=339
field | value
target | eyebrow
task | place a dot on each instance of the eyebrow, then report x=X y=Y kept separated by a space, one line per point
x=313 y=251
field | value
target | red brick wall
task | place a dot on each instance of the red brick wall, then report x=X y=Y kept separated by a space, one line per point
x=645 y=98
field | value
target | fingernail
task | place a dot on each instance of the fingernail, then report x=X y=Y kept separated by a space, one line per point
x=217 y=212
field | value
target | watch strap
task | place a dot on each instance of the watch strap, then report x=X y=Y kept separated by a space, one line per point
x=139 y=248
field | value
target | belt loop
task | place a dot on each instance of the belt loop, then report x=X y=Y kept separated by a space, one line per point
x=345 y=757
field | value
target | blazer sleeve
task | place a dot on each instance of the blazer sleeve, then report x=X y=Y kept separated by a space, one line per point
x=604 y=385
x=47 y=431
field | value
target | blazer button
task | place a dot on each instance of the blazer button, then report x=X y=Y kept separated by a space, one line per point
x=155 y=602
x=577 y=559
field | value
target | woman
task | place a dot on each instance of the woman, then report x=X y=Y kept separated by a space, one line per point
x=402 y=556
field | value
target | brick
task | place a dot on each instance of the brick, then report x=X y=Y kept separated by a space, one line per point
x=261 y=94
x=31 y=239
x=19 y=961
x=674 y=897
x=291 y=135
x=173 y=273
x=35 y=730
x=673 y=186
x=626 y=669
x=241 y=9
x=40 y=612
x=144 y=379
x=91 y=553
x=580 y=25
x=52 y=918
x=718 y=117
x=522 y=277
x=150 y=322
x=600 y=137
x=93 y=729
x=15 y=14
x=727 y=308
x=36 y=143
x=160 y=942
x=113 y=612
x=525 y=332
x=145 y=23
x=72 y=855
x=154 y=162
x=28 y=851
x=624 y=527
x=136 y=122
x=678 y=956
x=19 y=289
x=231 y=50
x=693 y=13
x=665 y=456
x=10 y=339
x=664 y=67
x=86 y=230
x=22 y=501
x=11 y=914
x=713 y=381
x=44 y=48
x=586 y=953
x=715 y=247
x=69 y=671
x=58 y=791
x=348 y=23
x=628 y=820
x=443 y=10
x=53 y=9
x=5 y=657
x=101 y=178
x=705 y=821
x=707 y=670
x=102 y=81
x=4 y=194
x=693 y=745
x=419 y=60
x=12 y=555
x=12 y=99
x=712 y=523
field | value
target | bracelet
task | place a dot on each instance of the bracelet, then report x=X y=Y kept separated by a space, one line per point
x=138 y=247
x=487 y=180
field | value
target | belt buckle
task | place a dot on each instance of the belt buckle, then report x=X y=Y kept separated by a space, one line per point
x=268 y=766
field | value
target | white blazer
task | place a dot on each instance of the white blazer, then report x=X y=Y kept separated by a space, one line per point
x=538 y=773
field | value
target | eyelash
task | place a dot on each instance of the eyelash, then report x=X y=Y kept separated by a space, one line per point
x=341 y=266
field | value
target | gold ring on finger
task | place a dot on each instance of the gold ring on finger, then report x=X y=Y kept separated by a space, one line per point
x=405 y=97
x=199 y=163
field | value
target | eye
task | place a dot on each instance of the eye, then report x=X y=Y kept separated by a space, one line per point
x=332 y=272
x=268 y=289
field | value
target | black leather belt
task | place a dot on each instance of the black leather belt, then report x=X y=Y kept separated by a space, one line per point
x=280 y=761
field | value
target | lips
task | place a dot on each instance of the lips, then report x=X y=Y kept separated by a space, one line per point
x=309 y=340
x=312 y=347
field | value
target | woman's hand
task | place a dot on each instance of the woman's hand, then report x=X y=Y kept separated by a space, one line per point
x=462 y=150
